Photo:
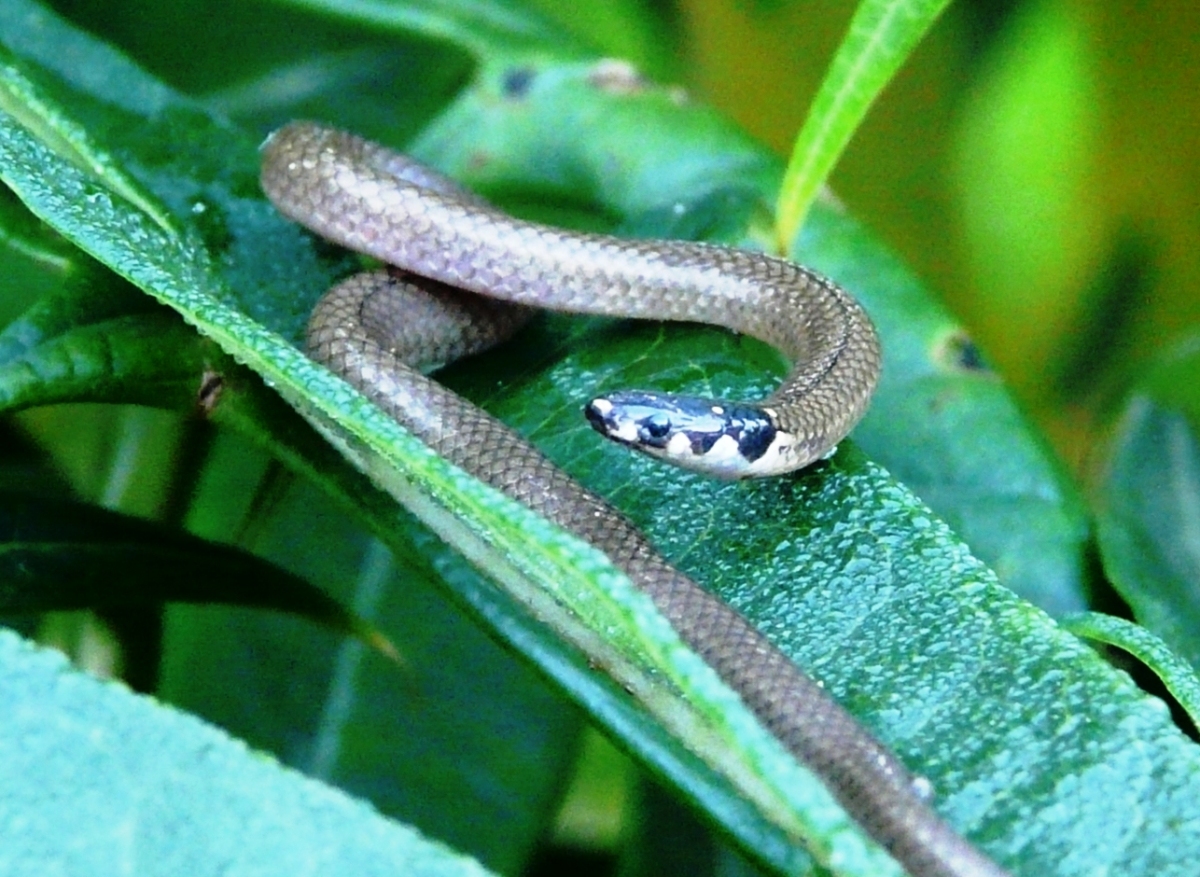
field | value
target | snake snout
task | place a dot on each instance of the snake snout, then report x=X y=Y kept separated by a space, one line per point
x=646 y=421
x=608 y=420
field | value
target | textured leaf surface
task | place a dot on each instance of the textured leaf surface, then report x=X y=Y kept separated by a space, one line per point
x=325 y=706
x=941 y=421
x=101 y=781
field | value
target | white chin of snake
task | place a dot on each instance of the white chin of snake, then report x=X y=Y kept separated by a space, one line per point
x=724 y=459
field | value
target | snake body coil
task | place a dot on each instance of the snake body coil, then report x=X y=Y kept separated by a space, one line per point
x=378 y=202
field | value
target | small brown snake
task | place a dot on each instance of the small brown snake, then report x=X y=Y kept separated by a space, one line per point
x=381 y=203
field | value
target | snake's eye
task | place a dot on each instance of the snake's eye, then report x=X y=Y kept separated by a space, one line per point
x=656 y=426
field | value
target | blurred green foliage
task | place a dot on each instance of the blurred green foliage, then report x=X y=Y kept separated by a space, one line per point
x=1036 y=161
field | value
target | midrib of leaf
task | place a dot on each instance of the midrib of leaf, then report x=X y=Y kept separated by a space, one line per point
x=21 y=100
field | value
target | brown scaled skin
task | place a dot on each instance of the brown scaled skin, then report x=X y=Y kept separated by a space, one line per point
x=378 y=202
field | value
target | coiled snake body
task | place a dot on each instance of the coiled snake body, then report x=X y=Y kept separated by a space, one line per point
x=381 y=203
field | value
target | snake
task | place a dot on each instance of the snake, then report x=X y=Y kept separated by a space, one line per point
x=461 y=275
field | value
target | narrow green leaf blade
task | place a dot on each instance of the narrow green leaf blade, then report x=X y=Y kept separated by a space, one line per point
x=481 y=28
x=881 y=36
x=99 y=342
x=60 y=555
x=1176 y=674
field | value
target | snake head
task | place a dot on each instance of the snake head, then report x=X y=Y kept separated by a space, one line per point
x=725 y=439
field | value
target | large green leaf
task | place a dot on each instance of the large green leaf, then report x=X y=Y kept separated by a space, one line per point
x=101 y=781
x=461 y=740
x=145 y=248
x=1025 y=734
x=330 y=708
x=943 y=423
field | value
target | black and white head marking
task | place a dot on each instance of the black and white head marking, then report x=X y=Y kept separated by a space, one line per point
x=729 y=440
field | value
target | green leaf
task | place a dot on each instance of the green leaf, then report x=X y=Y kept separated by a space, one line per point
x=23 y=235
x=945 y=425
x=176 y=270
x=57 y=555
x=881 y=36
x=1176 y=674
x=103 y=341
x=323 y=705
x=1026 y=735
x=98 y=780
x=629 y=29
x=462 y=741
x=1147 y=506
x=941 y=420
x=1035 y=244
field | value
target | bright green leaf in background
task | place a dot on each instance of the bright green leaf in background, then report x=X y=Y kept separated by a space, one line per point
x=1034 y=744
x=1030 y=216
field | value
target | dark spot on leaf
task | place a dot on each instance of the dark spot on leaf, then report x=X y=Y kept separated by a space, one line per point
x=959 y=353
x=517 y=81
